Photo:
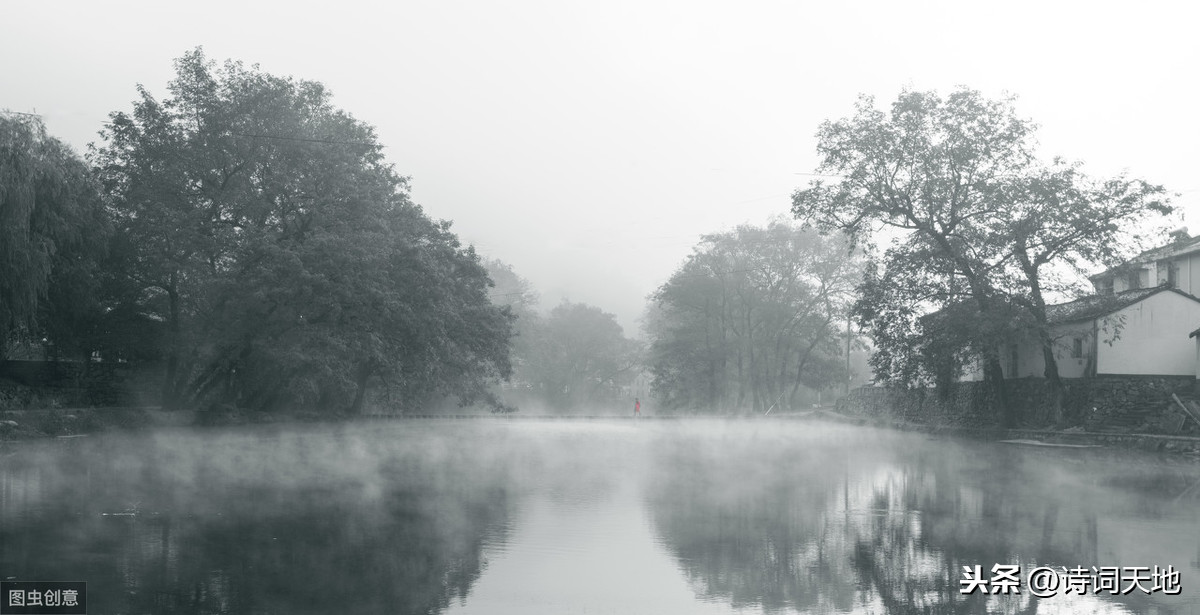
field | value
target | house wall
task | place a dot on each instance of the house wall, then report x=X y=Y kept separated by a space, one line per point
x=1070 y=366
x=1187 y=269
x=1150 y=337
x=1029 y=361
x=1155 y=273
x=1064 y=345
x=1189 y=273
x=1031 y=364
x=1147 y=277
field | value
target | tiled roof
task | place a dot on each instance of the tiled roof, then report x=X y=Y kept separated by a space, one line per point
x=1095 y=306
x=1082 y=309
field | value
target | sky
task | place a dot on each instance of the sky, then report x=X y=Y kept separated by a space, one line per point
x=590 y=144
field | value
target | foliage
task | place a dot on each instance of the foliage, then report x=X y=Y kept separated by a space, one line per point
x=753 y=315
x=1063 y=221
x=979 y=218
x=580 y=357
x=574 y=358
x=283 y=254
x=936 y=170
x=925 y=333
x=51 y=225
x=514 y=292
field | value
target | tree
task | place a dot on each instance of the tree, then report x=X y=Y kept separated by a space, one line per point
x=1062 y=219
x=935 y=169
x=925 y=332
x=580 y=357
x=957 y=177
x=51 y=223
x=514 y=292
x=283 y=254
x=752 y=316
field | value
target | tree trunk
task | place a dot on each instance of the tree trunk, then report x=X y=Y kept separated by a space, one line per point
x=981 y=292
x=170 y=393
x=993 y=375
x=1052 y=379
x=754 y=375
x=1038 y=308
x=364 y=377
x=741 y=376
x=712 y=361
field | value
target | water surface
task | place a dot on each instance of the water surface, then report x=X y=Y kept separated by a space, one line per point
x=527 y=516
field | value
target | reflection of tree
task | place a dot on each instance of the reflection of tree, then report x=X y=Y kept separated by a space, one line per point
x=757 y=516
x=404 y=535
x=746 y=531
x=893 y=556
x=889 y=530
x=418 y=550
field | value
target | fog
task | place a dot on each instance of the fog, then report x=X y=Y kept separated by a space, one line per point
x=552 y=516
x=584 y=149
x=591 y=145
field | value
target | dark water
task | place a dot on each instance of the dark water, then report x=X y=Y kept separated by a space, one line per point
x=554 y=517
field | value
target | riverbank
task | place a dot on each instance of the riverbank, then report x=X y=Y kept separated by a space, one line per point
x=1186 y=446
x=17 y=425
x=66 y=422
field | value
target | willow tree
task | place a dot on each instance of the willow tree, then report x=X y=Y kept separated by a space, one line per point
x=283 y=253
x=51 y=220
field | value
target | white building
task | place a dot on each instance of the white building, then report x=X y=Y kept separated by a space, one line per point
x=1176 y=264
x=1132 y=332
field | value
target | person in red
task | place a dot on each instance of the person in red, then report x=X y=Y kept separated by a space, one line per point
x=637 y=407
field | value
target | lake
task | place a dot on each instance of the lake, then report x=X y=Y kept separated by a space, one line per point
x=574 y=516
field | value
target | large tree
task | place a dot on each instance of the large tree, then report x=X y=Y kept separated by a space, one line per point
x=1063 y=221
x=52 y=226
x=753 y=315
x=282 y=251
x=957 y=177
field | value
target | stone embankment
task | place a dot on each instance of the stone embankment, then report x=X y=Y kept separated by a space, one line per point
x=1128 y=412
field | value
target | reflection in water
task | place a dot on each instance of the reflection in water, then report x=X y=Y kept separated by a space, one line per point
x=551 y=517
x=745 y=518
x=265 y=523
x=856 y=521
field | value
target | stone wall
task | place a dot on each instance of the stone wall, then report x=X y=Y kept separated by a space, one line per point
x=1131 y=401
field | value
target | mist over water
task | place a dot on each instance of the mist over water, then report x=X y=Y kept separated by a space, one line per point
x=571 y=516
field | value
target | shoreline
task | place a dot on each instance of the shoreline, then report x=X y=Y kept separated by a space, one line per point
x=27 y=425
x=1177 y=446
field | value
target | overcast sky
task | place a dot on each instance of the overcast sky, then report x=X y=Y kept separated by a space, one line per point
x=589 y=145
